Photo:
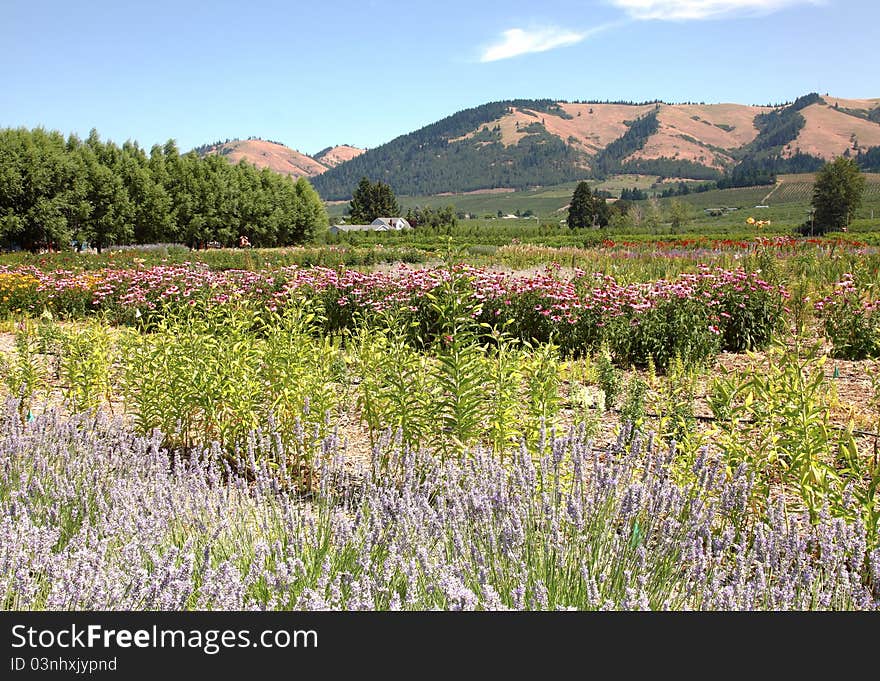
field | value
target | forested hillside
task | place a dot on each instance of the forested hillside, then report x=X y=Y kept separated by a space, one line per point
x=764 y=158
x=516 y=144
x=433 y=159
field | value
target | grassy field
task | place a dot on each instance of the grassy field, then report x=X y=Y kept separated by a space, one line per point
x=545 y=202
x=788 y=203
x=789 y=189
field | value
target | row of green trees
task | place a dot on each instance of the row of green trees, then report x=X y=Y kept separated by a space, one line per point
x=57 y=191
x=432 y=217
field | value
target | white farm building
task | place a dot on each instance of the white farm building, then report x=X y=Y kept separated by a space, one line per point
x=377 y=225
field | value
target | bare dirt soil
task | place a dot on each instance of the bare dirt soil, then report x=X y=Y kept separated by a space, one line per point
x=276 y=157
x=338 y=154
x=715 y=127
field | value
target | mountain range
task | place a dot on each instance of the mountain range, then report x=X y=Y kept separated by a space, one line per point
x=515 y=144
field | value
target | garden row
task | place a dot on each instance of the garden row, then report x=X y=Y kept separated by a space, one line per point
x=646 y=256
x=214 y=375
x=693 y=316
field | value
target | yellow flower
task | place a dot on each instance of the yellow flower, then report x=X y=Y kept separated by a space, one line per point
x=750 y=221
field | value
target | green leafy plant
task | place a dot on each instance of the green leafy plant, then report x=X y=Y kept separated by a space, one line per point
x=504 y=380
x=634 y=409
x=23 y=373
x=405 y=389
x=460 y=370
x=541 y=370
x=369 y=354
x=219 y=373
x=85 y=362
x=672 y=400
x=460 y=394
x=609 y=377
x=304 y=371
x=777 y=420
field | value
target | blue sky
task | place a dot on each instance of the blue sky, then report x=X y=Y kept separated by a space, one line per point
x=315 y=74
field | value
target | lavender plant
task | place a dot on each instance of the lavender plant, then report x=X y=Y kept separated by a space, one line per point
x=93 y=516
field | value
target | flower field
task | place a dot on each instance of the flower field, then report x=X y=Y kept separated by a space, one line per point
x=639 y=321
x=644 y=425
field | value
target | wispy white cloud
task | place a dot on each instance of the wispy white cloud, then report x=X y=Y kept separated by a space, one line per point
x=517 y=41
x=683 y=10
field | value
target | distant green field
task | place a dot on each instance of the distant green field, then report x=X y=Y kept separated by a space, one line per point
x=788 y=202
x=788 y=189
x=738 y=197
x=546 y=202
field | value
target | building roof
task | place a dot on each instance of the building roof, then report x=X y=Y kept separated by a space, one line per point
x=378 y=225
x=353 y=228
x=392 y=223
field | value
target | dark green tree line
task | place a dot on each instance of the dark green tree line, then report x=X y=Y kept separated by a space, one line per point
x=869 y=159
x=57 y=191
x=432 y=217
